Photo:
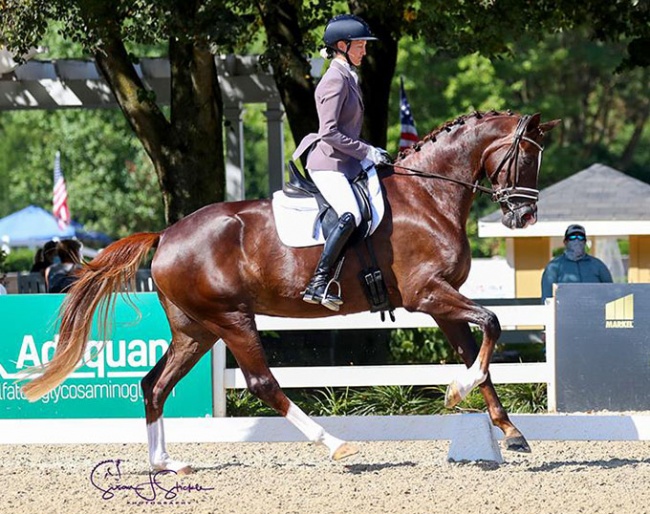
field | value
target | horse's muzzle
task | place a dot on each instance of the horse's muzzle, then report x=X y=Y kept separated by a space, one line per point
x=520 y=216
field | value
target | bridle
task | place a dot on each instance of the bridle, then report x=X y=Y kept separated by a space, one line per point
x=505 y=194
x=502 y=195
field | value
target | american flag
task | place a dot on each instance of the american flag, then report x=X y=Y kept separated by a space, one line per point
x=60 y=203
x=409 y=134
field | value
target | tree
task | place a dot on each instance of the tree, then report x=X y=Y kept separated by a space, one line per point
x=186 y=148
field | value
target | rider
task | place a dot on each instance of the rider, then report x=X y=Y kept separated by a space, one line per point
x=336 y=152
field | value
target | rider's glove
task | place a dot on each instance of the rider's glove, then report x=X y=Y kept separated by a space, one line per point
x=378 y=155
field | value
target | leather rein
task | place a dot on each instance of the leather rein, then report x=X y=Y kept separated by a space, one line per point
x=502 y=194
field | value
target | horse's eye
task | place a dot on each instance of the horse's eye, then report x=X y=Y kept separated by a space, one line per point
x=527 y=161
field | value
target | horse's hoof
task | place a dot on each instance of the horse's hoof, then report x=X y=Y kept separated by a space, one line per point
x=343 y=451
x=185 y=470
x=452 y=396
x=177 y=467
x=517 y=444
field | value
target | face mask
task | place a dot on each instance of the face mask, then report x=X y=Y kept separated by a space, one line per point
x=575 y=250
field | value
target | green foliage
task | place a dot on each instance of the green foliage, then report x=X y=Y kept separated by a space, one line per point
x=3 y=258
x=390 y=400
x=242 y=403
x=420 y=345
x=111 y=184
x=19 y=259
x=331 y=402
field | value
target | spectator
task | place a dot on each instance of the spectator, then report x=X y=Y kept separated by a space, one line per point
x=44 y=258
x=61 y=275
x=3 y=289
x=574 y=265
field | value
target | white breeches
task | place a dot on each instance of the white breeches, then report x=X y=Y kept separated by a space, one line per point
x=337 y=190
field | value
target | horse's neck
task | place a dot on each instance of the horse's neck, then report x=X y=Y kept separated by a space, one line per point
x=437 y=197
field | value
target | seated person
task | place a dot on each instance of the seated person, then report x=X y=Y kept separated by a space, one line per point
x=61 y=275
x=44 y=258
x=574 y=265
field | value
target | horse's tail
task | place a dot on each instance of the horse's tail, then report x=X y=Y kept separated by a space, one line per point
x=112 y=271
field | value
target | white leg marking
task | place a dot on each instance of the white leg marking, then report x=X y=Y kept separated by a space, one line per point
x=312 y=430
x=470 y=378
x=158 y=456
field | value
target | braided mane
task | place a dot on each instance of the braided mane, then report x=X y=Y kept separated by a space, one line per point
x=448 y=126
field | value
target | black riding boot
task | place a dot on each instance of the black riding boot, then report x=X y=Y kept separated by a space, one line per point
x=318 y=285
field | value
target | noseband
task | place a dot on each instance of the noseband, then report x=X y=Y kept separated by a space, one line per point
x=502 y=195
x=505 y=194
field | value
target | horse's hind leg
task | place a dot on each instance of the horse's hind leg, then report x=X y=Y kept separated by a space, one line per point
x=189 y=343
x=460 y=337
x=240 y=335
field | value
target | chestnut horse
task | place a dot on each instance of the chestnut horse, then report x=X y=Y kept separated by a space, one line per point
x=220 y=266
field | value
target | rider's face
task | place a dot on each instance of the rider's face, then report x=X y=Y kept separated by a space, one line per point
x=356 y=52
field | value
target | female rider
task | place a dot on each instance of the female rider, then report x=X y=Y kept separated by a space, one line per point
x=336 y=152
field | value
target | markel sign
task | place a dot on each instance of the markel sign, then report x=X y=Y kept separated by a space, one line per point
x=107 y=382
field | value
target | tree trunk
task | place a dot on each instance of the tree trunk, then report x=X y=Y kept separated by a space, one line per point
x=378 y=67
x=187 y=153
x=291 y=68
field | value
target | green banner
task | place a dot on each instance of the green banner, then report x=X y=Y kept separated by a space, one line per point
x=107 y=385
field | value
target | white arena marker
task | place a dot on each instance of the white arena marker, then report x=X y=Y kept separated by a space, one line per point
x=474 y=440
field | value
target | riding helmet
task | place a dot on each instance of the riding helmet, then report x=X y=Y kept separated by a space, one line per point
x=346 y=27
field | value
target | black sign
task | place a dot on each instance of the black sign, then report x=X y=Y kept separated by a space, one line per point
x=602 y=347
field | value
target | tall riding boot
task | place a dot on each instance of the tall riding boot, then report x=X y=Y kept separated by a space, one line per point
x=317 y=291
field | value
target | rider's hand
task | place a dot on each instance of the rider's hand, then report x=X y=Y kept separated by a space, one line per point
x=378 y=155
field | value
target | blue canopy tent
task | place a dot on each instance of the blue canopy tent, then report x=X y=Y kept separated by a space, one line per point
x=34 y=226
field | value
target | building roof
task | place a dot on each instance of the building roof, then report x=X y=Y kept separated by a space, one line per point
x=604 y=200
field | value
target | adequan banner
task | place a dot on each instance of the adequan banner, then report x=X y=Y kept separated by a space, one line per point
x=602 y=347
x=107 y=384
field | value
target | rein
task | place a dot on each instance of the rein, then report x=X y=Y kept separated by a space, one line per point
x=419 y=173
x=503 y=194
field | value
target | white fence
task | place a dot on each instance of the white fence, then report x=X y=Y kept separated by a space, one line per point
x=510 y=317
x=594 y=426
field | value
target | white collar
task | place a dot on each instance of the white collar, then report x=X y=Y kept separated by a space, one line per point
x=351 y=69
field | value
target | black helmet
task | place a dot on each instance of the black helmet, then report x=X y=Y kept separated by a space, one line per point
x=346 y=27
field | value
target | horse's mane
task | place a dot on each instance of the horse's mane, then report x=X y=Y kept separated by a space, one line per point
x=448 y=126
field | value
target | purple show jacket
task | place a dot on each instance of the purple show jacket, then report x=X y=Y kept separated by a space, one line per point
x=340 y=115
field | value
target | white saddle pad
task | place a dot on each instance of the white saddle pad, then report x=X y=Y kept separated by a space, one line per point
x=295 y=217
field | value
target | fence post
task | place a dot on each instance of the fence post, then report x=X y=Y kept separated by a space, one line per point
x=551 y=389
x=219 y=379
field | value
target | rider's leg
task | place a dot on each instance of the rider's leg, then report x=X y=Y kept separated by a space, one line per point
x=316 y=290
x=336 y=189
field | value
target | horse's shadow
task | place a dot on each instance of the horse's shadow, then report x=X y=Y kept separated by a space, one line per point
x=603 y=464
x=358 y=469
x=196 y=469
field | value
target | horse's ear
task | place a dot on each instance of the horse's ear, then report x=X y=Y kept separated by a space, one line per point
x=549 y=125
x=533 y=122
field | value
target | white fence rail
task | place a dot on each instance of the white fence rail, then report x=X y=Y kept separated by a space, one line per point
x=510 y=317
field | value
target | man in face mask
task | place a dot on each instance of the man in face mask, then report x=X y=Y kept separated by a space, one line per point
x=574 y=265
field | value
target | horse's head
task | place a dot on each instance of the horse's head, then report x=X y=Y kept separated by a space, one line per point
x=512 y=164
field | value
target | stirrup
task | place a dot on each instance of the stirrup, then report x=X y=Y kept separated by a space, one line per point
x=330 y=300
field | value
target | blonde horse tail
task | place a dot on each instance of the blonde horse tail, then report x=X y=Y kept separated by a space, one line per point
x=112 y=271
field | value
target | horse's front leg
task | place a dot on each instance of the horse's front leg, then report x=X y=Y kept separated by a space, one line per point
x=453 y=313
x=461 y=339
